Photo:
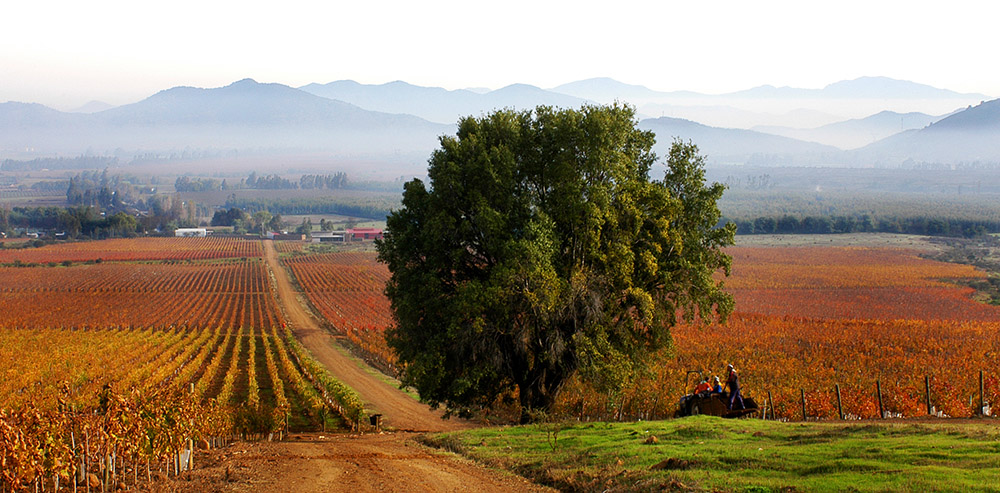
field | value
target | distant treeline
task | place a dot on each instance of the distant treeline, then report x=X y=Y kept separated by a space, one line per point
x=110 y=193
x=266 y=182
x=332 y=182
x=80 y=162
x=371 y=208
x=73 y=221
x=157 y=212
x=50 y=186
x=928 y=226
x=848 y=211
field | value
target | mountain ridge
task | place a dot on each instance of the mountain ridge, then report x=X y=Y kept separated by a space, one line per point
x=248 y=115
x=967 y=136
x=242 y=115
x=735 y=146
x=857 y=132
x=437 y=104
x=866 y=87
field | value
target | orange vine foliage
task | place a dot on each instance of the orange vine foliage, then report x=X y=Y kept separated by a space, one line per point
x=347 y=289
x=289 y=246
x=129 y=249
x=234 y=292
x=812 y=318
x=126 y=392
x=130 y=359
x=806 y=318
x=852 y=283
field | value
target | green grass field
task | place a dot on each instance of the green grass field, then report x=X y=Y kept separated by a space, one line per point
x=713 y=454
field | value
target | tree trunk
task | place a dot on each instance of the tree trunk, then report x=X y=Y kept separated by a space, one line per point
x=539 y=393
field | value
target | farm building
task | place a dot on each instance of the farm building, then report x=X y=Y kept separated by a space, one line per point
x=326 y=236
x=188 y=232
x=362 y=234
x=356 y=234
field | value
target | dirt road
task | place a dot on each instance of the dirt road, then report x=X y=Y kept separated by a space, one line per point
x=315 y=462
x=399 y=411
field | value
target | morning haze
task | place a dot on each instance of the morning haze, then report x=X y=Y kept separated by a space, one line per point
x=690 y=246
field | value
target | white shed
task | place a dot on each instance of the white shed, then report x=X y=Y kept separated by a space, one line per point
x=189 y=232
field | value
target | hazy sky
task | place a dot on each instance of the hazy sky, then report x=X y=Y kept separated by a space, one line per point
x=64 y=53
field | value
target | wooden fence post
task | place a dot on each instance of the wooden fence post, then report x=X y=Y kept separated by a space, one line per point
x=927 y=391
x=86 y=462
x=771 y=402
x=982 y=401
x=840 y=406
x=878 y=390
x=803 y=391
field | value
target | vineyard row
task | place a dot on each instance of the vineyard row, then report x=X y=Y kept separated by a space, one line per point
x=115 y=401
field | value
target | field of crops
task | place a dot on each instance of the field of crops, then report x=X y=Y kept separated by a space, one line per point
x=227 y=293
x=129 y=249
x=346 y=288
x=289 y=246
x=809 y=319
x=74 y=397
x=182 y=340
x=115 y=367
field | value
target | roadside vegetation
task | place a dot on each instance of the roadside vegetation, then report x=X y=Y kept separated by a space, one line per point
x=703 y=453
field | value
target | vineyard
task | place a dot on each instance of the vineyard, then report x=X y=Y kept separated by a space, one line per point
x=346 y=288
x=228 y=293
x=137 y=395
x=130 y=249
x=807 y=320
x=289 y=246
x=810 y=319
x=112 y=370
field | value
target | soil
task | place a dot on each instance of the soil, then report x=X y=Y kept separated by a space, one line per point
x=399 y=411
x=316 y=462
x=392 y=460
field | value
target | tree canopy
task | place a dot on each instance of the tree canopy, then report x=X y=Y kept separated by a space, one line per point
x=542 y=248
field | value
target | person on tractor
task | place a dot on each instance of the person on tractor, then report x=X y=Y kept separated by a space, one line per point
x=733 y=382
x=716 y=385
x=704 y=386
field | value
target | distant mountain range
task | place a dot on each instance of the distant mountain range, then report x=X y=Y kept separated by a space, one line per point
x=402 y=122
x=605 y=90
x=855 y=133
x=437 y=104
x=758 y=107
x=861 y=88
x=245 y=115
x=732 y=117
x=780 y=106
x=968 y=136
x=736 y=146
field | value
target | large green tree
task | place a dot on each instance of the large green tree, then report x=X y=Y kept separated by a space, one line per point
x=542 y=248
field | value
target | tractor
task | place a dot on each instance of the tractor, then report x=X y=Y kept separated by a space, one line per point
x=711 y=403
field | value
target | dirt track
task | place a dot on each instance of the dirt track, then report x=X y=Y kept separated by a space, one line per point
x=316 y=462
x=348 y=462
x=399 y=410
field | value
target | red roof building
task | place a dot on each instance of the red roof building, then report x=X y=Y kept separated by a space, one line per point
x=364 y=233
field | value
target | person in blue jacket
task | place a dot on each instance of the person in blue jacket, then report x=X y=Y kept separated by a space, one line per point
x=716 y=385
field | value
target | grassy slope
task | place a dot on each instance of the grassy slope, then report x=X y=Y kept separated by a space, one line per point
x=744 y=455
